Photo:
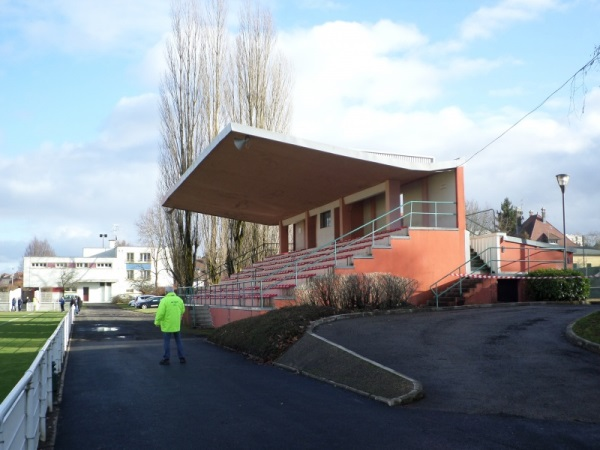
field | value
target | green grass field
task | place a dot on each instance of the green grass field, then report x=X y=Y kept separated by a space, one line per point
x=22 y=335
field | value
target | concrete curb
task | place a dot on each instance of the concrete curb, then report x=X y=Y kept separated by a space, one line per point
x=579 y=341
x=318 y=358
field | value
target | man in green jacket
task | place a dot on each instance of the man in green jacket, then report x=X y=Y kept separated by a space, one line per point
x=168 y=317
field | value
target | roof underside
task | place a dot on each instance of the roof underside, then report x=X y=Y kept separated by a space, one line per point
x=274 y=177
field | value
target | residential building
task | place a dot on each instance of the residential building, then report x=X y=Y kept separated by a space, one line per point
x=537 y=228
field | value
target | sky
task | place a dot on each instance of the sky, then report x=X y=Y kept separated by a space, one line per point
x=79 y=124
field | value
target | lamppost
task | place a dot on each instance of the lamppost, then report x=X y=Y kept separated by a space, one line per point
x=103 y=236
x=563 y=180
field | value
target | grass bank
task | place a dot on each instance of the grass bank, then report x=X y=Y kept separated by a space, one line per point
x=589 y=327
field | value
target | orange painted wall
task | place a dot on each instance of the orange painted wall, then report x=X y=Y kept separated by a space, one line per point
x=525 y=258
x=223 y=316
x=426 y=256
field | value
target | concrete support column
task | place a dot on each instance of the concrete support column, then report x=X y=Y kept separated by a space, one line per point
x=284 y=242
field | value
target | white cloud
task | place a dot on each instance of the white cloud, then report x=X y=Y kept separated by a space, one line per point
x=88 y=25
x=74 y=191
x=351 y=91
x=486 y=21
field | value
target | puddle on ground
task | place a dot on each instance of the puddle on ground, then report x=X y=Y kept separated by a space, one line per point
x=106 y=329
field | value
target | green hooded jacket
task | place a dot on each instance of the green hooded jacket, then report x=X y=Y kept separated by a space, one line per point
x=168 y=316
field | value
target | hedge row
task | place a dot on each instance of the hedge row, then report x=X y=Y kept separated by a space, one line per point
x=557 y=285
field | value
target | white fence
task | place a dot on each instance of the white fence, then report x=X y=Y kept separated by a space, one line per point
x=23 y=411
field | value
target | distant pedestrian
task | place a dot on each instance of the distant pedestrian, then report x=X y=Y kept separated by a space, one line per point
x=62 y=303
x=79 y=303
x=26 y=303
x=36 y=303
x=20 y=304
x=168 y=317
x=14 y=304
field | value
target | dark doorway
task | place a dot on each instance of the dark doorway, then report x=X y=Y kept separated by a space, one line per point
x=508 y=291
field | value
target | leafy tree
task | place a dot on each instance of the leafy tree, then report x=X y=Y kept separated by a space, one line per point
x=508 y=218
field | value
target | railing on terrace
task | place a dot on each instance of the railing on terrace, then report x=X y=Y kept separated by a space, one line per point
x=492 y=259
x=254 y=292
x=23 y=411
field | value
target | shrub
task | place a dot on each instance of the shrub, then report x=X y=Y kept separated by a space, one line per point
x=357 y=291
x=121 y=298
x=557 y=285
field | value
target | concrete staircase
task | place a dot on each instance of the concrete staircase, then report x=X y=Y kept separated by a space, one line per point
x=200 y=316
x=458 y=292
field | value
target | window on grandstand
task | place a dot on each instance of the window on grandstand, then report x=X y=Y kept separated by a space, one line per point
x=129 y=257
x=325 y=219
x=82 y=265
x=144 y=257
x=38 y=264
x=104 y=265
x=61 y=265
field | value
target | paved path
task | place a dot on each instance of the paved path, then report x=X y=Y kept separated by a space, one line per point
x=116 y=396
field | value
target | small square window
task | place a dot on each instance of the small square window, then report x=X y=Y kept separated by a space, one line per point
x=325 y=219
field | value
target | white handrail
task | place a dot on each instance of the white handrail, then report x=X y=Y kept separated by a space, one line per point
x=23 y=411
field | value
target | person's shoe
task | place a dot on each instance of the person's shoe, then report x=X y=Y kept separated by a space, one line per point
x=182 y=360
x=164 y=362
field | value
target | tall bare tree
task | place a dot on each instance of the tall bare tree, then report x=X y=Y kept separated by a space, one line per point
x=151 y=227
x=207 y=85
x=38 y=247
x=259 y=95
x=181 y=131
x=479 y=220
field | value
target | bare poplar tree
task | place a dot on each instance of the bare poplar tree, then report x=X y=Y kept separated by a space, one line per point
x=181 y=132
x=205 y=87
x=261 y=85
x=259 y=95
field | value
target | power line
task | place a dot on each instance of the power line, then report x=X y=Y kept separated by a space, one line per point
x=584 y=68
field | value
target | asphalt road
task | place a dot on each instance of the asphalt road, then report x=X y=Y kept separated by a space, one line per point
x=510 y=360
x=116 y=396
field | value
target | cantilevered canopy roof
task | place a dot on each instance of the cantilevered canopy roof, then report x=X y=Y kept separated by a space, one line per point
x=272 y=177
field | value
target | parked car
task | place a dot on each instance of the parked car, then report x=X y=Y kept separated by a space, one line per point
x=150 y=302
x=138 y=298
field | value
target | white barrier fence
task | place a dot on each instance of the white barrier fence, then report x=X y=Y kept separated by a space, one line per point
x=23 y=412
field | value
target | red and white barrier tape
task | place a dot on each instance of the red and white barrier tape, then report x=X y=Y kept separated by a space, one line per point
x=514 y=277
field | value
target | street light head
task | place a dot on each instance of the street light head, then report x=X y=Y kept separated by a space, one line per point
x=563 y=180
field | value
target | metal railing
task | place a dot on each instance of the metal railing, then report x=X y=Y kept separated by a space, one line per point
x=493 y=261
x=23 y=411
x=254 y=292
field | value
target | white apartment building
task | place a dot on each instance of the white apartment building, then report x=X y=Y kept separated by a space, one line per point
x=98 y=275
